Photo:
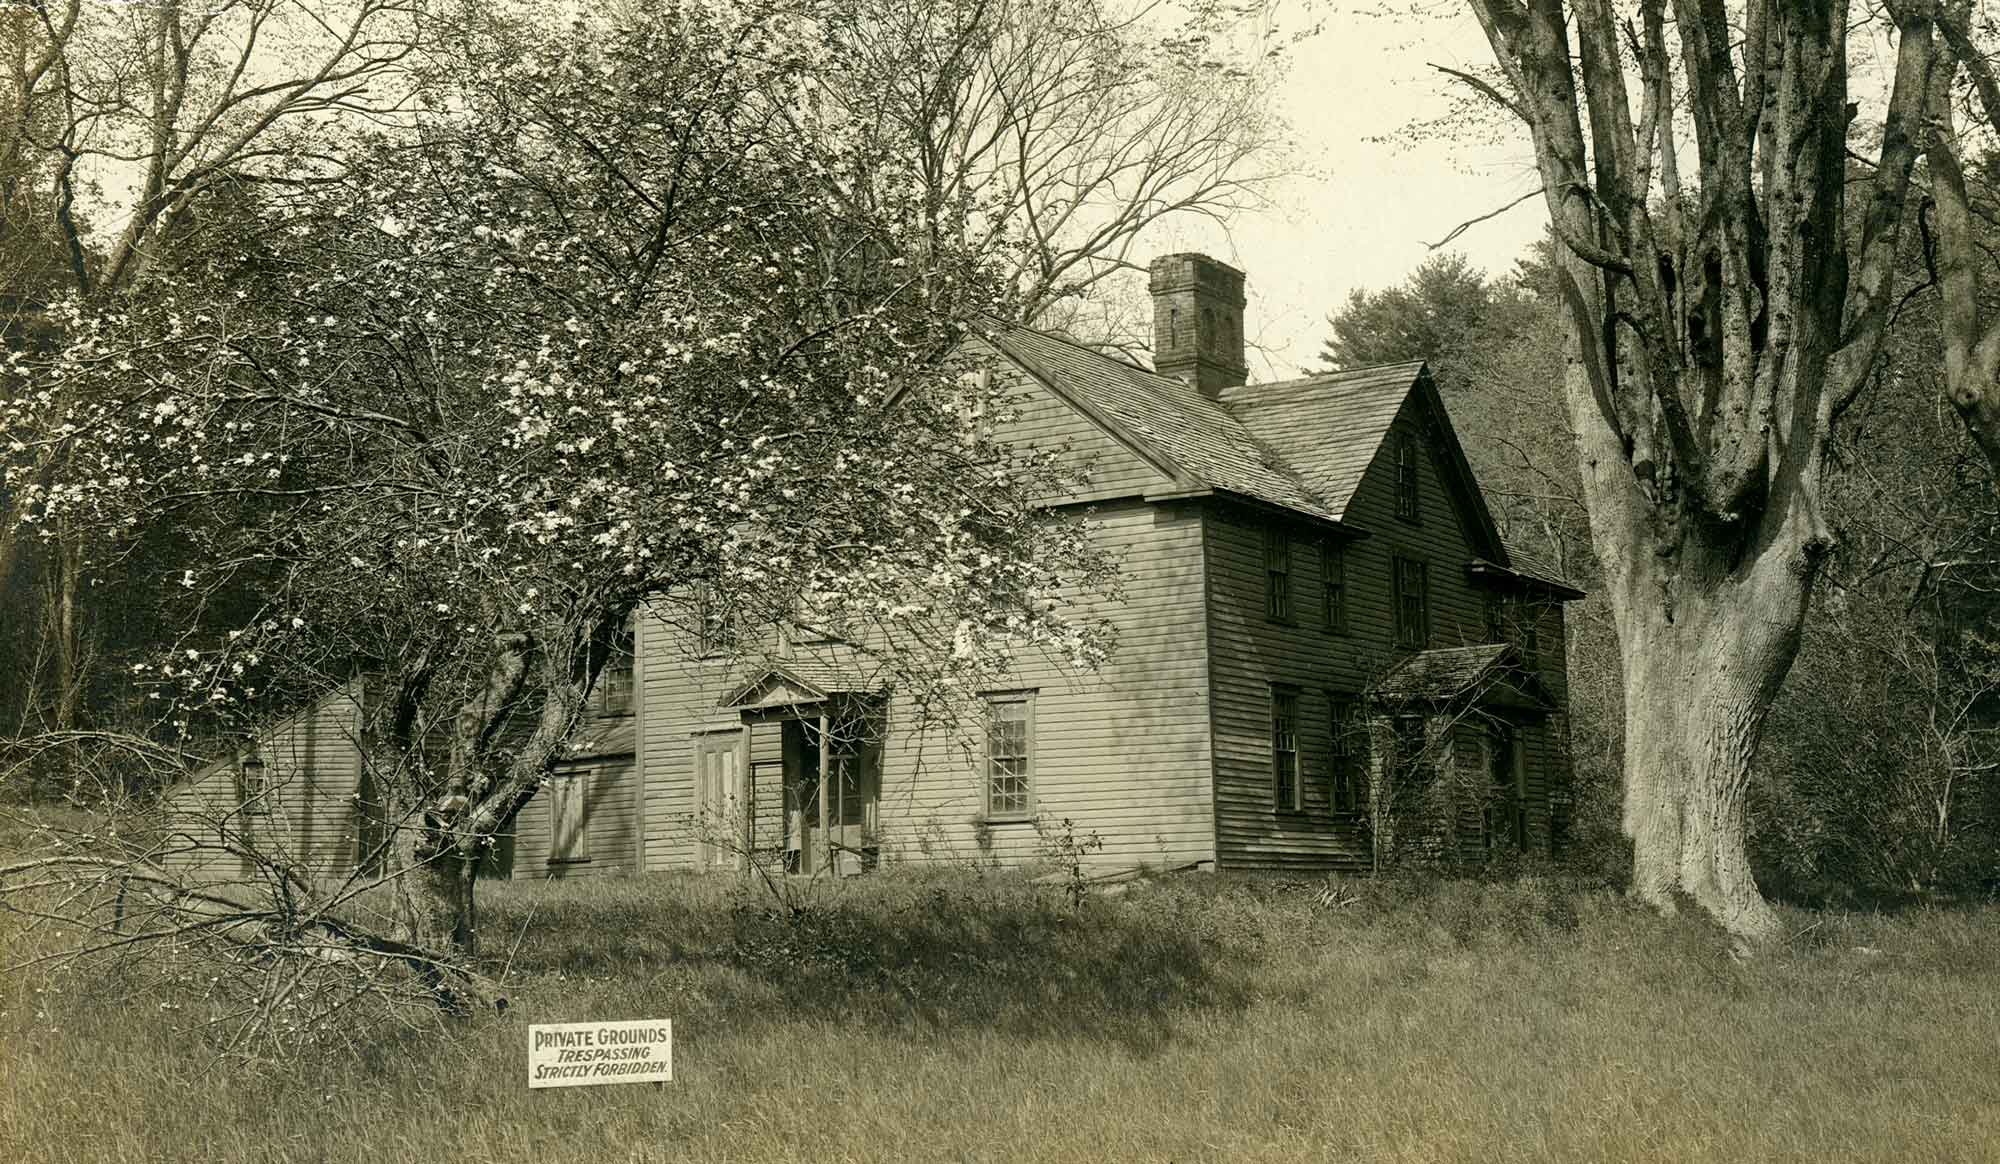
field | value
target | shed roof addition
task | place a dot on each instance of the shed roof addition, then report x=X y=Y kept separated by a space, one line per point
x=1450 y=673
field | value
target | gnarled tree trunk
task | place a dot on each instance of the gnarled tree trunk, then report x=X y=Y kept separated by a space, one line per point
x=1703 y=661
x=1716 y=335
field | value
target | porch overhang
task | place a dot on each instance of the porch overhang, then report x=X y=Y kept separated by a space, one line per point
x=1489 y=673
x=791 y=684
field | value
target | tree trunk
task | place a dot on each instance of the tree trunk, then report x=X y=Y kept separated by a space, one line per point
x=68 y=644
x=1698 y=684
x=427 y=892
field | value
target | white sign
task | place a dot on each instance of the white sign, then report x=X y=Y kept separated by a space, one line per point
x=581 y=1054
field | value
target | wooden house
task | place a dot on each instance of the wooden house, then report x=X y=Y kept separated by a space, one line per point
x=1317 y=611
x=1318 y=615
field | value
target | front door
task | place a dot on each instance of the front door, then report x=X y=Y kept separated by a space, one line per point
x=1507 y=806
x=840 y=839
x=719 y=807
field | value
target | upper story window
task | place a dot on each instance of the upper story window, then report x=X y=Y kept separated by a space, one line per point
x=714 y=624
x=614 y=681
x=1010 y=754
x=1333 y=587
x=1408 y=475
x=1286 y=788
x=1277 y=574
x=1413 y=604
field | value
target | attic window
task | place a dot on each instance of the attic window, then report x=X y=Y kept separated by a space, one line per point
x=614 y=682
x=251 y=789
x=1413 y=604
x=1407 y=476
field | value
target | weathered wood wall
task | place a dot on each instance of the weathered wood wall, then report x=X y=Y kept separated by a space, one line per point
x=1251 y=652
x=312 y=815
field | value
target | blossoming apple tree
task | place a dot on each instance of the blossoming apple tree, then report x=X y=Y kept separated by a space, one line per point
x=593 y=331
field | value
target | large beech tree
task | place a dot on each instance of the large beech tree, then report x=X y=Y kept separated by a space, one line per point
x=1723 y=310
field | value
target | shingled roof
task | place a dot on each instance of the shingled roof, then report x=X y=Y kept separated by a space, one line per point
x=1328 y=426
x=814 y=678
x=1195 y=440
x=1302 y=444
x=1447 y=673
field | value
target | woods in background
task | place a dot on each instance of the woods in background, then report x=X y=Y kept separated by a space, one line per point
x=1880 y=771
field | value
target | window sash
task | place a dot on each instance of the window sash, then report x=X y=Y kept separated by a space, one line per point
x=715 y=628
x=1277 y=574
x=1345 y=793
x=1333 y=587
x=1010 y=765
x=1407 y=478
x=1412 y=603
x=253 y=787
x=1285 y=785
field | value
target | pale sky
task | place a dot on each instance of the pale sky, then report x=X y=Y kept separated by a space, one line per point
x=1360 y=214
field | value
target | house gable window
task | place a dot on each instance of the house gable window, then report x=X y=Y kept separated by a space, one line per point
x=614 y=681
x=1333 y=587
x=252 y=789
x=1010 y=755
x=1347 y=791
x=714 y=625
x=1408 y=476
x=1277 y=574
x=1286 y=788
x=1413 y=606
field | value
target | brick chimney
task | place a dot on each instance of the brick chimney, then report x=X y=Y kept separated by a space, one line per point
x=1198 y=322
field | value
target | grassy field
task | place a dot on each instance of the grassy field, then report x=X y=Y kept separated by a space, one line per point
x=945 y=1017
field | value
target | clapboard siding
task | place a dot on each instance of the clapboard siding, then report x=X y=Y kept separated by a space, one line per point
x=1251 y=653
x=679 y=697
x=312 y=815
x=610 y=821
x=1122 y=753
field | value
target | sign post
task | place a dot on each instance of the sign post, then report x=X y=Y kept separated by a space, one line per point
x=584 y=1054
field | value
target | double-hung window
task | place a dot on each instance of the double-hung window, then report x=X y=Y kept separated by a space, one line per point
x=252 y=792
x=1413 y=607
x=715 y=624
x=1010 y=755
x=614 y=681
x=1348 y=789
x=1333 y=587
x=1277 y=574
x=1286 y=789
x=1408 y=474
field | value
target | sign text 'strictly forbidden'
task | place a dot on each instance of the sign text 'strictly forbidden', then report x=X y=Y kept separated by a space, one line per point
x=580 y=1054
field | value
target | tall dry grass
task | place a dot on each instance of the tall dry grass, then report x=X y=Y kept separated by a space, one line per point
x=955 y=1016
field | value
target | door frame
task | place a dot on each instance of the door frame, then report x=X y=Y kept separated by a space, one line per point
x=738 y=746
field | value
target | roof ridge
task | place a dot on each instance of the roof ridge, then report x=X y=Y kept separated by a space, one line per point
x=1079 y=345
x=1336 y=376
